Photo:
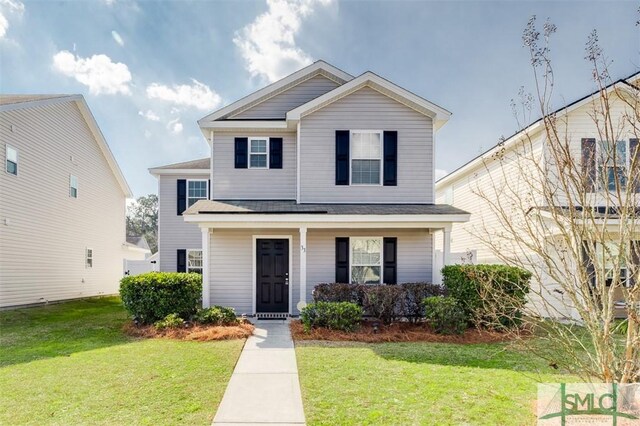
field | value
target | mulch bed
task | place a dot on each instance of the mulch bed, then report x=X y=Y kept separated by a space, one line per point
x=201 y=333
x=398 y=332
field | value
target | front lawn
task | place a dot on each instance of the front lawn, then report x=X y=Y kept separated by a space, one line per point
x=419 y=383
x=71 y=364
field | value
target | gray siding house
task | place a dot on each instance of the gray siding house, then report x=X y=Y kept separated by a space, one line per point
x=62 y=203
x=319 y=177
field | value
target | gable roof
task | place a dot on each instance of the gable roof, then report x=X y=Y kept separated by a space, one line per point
x=280 y=86
x=138 y=241
x=194 y=167
x=632 y=81
x=387 y=88
x=14 y=102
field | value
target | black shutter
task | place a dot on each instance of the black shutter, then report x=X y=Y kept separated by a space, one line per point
x=342 y=157
x=390 y=260
x=275 y=153
x=182 y=261
x=390 y=156
x=635 y=263
x=588 y=262
x=634 y=155
x=241 y=155
x=342 y=260
x=209 y=197
x=589 y=163
x=182 y=196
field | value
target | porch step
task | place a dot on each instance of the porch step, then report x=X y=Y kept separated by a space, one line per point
x=275 y=315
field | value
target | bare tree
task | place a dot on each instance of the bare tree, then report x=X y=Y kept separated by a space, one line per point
x=563 y=198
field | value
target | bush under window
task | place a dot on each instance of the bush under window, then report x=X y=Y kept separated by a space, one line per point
x=152 y=296
x=343 y=316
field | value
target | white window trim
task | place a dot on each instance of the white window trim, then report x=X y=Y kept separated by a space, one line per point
x=6 y=158
x=381 y=133
x=71 y=177
x=187 y=259
x=87 y=257
x=602 y=259
x=600 y=165
x=351 y=265
x=256 y=138
x=206 y=181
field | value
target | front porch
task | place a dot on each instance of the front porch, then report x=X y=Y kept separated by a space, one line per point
x=267 y=262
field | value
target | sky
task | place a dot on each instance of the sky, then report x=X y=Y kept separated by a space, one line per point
x=150 y=69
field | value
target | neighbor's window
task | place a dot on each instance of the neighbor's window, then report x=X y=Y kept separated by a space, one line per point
x=613 y=161
x=609 y=259
x=12 y=160
x=197 y=190
x=88 y=258
x=366 y=260
x=194 y=261
x=258 y=153
x=366 y=157
x=73 y=186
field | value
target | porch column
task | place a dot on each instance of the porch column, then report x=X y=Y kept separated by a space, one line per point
x=446 y=246
x=206 y=291
x=303 y=268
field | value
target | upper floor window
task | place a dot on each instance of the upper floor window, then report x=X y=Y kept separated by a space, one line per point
x=613 y=164
x=73 y=186
x=197 y=190
x=12 y=160
x=366 y=260
x=194 y=261
x=366 y=157
x=258 y=153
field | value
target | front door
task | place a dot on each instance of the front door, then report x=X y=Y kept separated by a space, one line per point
x=272 y=275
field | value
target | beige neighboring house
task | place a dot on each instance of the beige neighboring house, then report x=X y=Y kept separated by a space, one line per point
x=461 y=188
x=62 y=203
x=318 y=177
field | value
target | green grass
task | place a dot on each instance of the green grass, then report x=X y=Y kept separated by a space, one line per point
x=419 y=383
x=70 y=363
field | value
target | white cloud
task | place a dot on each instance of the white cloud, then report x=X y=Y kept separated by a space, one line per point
x=268 y=43
x=9 y=7
x=117 y=37
x=149 y=115
x=98 y=72
x=197 y=95
x=175 y=126
x=441 y=173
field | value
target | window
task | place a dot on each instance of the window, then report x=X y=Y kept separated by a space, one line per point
x=366 y=157
x=366 y=260
x=12 y=160
x=608 y=259
x=613 y=160
x=258 y=153
x=88 y=258
x=197 y=190
x=73 y=186
x=194 y=261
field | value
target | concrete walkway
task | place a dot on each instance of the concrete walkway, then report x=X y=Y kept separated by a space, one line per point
x=264 y=387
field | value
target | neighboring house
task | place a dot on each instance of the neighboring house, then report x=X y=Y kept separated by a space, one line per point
x=484 y=174
x=319 y=177
x=62 y=202
x=138 y=245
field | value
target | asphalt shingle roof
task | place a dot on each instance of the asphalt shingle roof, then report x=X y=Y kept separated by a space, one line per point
x=202 y=163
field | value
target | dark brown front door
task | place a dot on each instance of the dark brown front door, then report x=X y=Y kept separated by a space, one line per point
x=272 y=275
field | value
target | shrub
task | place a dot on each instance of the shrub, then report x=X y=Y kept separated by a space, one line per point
x=444 y=315
x=218 y=315
x=343 y=316
x=152 y=296
x=338 y=292
x=414 y=293
x=170 y=321
x=491 y=295
x=383 y=301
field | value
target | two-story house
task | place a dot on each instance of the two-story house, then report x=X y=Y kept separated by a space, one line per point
x=62 y=203
x=318 y=177
x=523 y=171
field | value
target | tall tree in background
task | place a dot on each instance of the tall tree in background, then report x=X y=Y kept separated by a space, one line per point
x=142 y=219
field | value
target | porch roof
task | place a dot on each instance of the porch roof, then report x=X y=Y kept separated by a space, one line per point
x=284 y=207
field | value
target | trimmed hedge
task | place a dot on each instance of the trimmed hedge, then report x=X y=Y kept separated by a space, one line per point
x=152 y=296
x=445 y=315
x=385 y=302
x=170 y=321
x=491 y=295
x=218 y=315
x=343 y=316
